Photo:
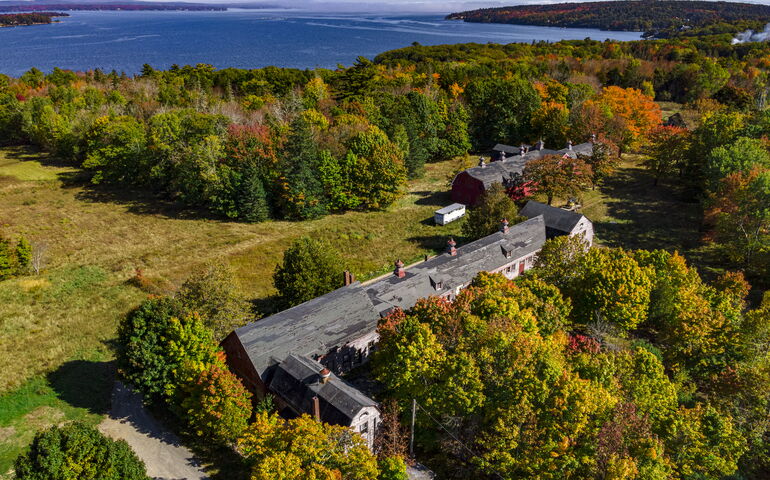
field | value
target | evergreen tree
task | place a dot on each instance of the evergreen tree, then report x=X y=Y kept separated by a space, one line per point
x=23 y=256
x=302 y=190
x=7 y=260
x=357 y=80
x=252 y=200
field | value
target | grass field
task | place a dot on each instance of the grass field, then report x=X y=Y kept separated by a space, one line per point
x=56 y=328
x=96 y=238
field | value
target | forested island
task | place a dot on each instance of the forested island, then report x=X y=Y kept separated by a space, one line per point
x=13 y=7
x=23 y=19
x=655 y=18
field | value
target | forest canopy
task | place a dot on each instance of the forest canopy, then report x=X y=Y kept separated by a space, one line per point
x=656 y=18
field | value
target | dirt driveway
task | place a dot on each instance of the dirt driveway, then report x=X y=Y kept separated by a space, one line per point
x=164 y=456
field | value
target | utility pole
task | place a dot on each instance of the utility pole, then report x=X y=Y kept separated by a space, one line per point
x=411 y=437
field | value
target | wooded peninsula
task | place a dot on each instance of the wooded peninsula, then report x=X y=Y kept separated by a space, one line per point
x=109 y=6
x=24 y=19
x=660 y=19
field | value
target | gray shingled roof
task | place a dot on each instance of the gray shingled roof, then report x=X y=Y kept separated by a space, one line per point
x=311 y=328
x=297 y=381
x=497 y=172
x=485 y=254
x=315 y=327
x=555 y=218
x=507 y=148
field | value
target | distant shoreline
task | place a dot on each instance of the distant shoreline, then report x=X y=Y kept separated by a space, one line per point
x=28 y=19
x=109 y=7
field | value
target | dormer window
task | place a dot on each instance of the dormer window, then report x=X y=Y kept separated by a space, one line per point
x=507 y=251
x=436 y=283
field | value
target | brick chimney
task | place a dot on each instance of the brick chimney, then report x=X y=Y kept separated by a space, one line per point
x=325 y=374
x=450 y=247
x=399 y=271
x=316 y=408
x=481 y=162
x=522 y=150
x=504 y=225
x=569 y=144
x=348 y=277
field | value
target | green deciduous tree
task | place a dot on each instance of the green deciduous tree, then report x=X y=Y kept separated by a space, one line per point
x=611 y=287
x=557 y=262
x=669 y=151
x=494 y=206
x=78 y=452
x=704 y=443
x=310 y=268
x=740 y=156
x=500 y=110
x=213 y=293
x=379 y=171
x=154 y=341
x=114 y=149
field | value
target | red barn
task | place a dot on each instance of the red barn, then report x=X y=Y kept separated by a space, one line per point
x=468 y=186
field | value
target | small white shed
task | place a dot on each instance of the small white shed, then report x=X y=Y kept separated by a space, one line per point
x=449 y=214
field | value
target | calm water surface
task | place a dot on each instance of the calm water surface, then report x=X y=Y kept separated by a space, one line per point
x=241 y=38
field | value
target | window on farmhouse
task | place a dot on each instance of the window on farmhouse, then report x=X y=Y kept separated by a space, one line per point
x=364 y=427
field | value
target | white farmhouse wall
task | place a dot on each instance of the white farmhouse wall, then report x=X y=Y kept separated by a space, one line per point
x=585 y=227
x=366 y=423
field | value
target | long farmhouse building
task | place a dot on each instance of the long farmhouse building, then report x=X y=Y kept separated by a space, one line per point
x=297 y=354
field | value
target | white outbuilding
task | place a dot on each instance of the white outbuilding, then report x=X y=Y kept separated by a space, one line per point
x=449 y=214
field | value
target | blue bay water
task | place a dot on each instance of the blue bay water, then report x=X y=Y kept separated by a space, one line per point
x=244 y=38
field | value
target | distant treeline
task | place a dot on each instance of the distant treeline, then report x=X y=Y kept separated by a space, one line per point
x=15 y=19
x=107 y=6
x=655 y=18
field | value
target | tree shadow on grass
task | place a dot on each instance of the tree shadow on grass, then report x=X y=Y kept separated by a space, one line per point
x=646 y=216
x=438 y=199
x=436 y=243
x=138 y=201
x=84 y=384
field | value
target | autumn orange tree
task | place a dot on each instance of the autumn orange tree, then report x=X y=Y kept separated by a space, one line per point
x=625 y=115
x=558 y=176
x=216 y=405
